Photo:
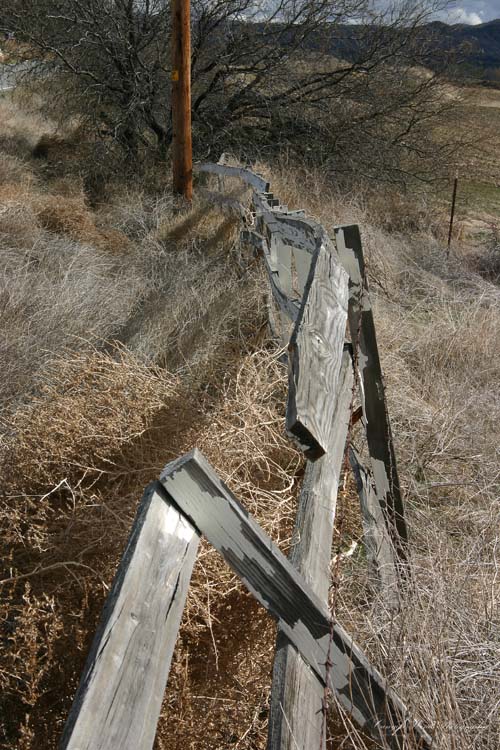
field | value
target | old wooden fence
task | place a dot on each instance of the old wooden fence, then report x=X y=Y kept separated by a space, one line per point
x=318 y=285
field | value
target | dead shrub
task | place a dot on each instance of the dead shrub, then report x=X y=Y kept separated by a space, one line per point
x=94 y=404
x=68 y=216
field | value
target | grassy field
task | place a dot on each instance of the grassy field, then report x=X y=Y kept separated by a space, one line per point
x=479 y=192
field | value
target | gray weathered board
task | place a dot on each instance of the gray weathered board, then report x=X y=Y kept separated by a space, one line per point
x=296 y=720
x=118 y=702
x=315 y=347
x=378 y=544
x=250 y=178
x=376 y=417
x=315 y=353
x=289 y=307
x=296 y=229
x=200 y=494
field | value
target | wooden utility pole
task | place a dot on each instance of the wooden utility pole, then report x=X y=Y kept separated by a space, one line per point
x=182 y=156
x=452 y=216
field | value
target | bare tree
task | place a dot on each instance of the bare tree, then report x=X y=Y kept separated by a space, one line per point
x=265 y=74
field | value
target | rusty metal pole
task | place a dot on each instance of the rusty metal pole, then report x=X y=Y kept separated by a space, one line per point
x=453 y=200
x=182 y=156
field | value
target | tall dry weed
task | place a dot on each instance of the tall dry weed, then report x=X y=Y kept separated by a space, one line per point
x=439 y=334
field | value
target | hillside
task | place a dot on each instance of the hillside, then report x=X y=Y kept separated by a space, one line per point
x=481 y=43
x=134 y=327
x=476 y=48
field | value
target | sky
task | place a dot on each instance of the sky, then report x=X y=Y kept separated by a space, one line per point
x=473 y=11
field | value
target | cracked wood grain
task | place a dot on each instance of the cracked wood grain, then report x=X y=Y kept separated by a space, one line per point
x=224 y=170
x=295 y=229
x=200 y=494
x=315 y=353
x=118 y=702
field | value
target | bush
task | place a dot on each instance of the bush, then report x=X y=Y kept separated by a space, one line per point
x=337 y=83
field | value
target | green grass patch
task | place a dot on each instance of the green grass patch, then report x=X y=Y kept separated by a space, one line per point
x=478 y=196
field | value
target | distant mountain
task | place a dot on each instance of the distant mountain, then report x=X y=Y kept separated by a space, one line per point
x=481 y=44
x=477 y=47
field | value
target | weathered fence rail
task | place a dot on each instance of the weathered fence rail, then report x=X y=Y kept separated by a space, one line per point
x=297 y=697
x=121 y=690
x=318 y=285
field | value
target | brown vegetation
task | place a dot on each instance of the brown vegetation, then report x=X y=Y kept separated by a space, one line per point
x=118 y=356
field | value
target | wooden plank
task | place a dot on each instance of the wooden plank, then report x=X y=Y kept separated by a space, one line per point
x=296 y=231
x=291 y=307
x=284 y=265
x=284 y=268
x=250 y=178
x=317 y=503
x=378 y=545
x=302 y=261
x=378 y=428
x=315 y=354
x=296 y=712
x=271 y=232
x=121 y=691
x=201 y=495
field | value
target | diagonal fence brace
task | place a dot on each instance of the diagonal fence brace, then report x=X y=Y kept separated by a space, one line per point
x=199 y=493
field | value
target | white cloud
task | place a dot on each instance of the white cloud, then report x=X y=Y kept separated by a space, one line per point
x=460 y=15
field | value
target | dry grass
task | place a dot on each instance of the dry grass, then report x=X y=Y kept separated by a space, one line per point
x=87 y=423
x=115 y=423
x=439 y=333
x=55 y=523
x=136 y=269
x=83 y=431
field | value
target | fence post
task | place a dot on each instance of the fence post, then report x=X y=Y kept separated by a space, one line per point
x=452 y=215
x=119 y=698
x=375 y=413
x=296 y=712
